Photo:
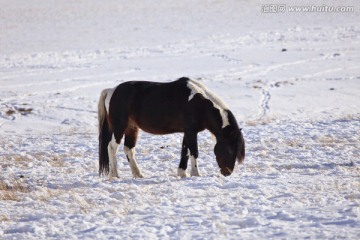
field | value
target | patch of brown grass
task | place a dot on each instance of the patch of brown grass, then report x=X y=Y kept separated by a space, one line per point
x=10 y=112
x=18 y=161
x=4 y=218
x=326 y=140
x=10 y=190
x=260 y=121
x=47 y=194
x=22 y=110
x=56 y=160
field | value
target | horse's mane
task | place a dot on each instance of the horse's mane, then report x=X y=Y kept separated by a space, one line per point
x=197 y=87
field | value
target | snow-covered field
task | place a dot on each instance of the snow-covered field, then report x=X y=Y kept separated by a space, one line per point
x=291 y=79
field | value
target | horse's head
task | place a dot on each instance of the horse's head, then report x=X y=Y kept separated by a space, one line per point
x=229 y=148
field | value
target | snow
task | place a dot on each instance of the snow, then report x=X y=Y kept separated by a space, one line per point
x=291 y=79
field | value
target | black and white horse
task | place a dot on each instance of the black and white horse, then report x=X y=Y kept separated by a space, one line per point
x=162 y=108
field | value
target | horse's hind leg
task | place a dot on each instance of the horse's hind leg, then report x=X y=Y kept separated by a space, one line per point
x=112 y=150
x=131 y=134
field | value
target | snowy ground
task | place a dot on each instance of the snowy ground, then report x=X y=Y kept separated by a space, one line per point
x=291 y=79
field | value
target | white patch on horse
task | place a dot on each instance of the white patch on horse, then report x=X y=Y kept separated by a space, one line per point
x=112 y=150
x=197 y=87
x=109 y=94
x=130 y=154
x=194 y=167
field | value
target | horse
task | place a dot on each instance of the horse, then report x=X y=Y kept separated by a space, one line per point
x=184 y=105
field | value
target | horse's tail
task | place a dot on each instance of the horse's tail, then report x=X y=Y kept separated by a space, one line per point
x=241 y=149
x=105 y=135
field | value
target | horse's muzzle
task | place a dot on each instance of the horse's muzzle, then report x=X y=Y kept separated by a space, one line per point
x=226 y=171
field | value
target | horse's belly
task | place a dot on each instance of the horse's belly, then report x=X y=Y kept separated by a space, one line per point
x=164 y=129
x=160 y=123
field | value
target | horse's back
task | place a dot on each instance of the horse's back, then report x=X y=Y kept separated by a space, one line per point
x=135 y=93
x=155 y=107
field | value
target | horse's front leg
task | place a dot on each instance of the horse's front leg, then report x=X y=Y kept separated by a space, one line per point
x=129 y=149
x=194 y=167
x=184 y=160
x=191 y=141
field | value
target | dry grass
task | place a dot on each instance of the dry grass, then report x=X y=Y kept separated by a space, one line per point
x=10 y=112
x=298 y=143
x=260 y=121
x=326 y=140
x=55 y=160
x=4 y=218
x=349 y=117
x=46 y=194
x=11 y=190
x=22 y=110
x=80 y=202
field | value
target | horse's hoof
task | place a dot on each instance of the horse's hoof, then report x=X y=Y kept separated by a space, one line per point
x=182 y=173
x=195 y=174
x=138 y=175
x=114 y=175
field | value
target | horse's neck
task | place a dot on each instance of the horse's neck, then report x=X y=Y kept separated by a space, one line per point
x=215 y=128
